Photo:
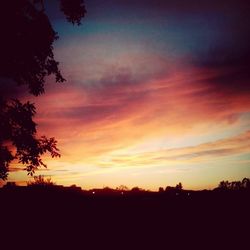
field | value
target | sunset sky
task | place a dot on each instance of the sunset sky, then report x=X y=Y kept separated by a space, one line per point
x=157 y=92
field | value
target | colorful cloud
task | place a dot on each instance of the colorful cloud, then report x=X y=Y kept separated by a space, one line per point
x=151 y=98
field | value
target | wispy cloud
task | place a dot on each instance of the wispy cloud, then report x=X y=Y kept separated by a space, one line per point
x=202 y=153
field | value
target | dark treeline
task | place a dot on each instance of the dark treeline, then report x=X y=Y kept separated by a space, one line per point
x=42 y=182
x=172 y=218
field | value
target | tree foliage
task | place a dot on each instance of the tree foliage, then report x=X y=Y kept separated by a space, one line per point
x=177 y=188
x=26 y=49
x=235 y=185
x=27 y=45
x=74 y=10
x=18 y=128
x=41 y=181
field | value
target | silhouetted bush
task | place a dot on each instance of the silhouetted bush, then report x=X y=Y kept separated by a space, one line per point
x=234 y=185
x=41 y=181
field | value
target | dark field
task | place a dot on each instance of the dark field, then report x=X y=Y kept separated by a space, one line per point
x=62 y=217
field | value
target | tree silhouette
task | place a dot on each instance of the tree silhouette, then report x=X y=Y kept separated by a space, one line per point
x=122 y=188
x=41 y=181
x=179 y=186
x=137 y=189
x=235 y=185
x=224 y=185
x=26 y=49
x=246 y=183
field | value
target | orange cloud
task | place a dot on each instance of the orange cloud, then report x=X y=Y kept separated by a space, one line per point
x=90 y=122
x=127 y=120
x=226 y=147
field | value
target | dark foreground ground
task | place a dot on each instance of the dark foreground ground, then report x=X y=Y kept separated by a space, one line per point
x=61 y=219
